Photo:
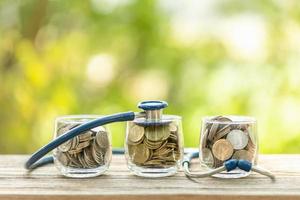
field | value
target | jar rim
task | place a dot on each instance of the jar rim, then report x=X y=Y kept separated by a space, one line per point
x=236 y=119
x=68 y=118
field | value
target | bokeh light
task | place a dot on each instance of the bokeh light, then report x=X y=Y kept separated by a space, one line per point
x=101 y=57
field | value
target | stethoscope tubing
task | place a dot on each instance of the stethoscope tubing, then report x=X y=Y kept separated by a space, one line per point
x=189 y=155
x=119 y=117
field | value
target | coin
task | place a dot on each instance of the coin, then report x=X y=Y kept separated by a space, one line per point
x=172 y=127
x=243 y=154
x=222 y=132
x=85 y=136
x=224 y=119
x=102 y=139
x=238 y=139
x=222 y=149
x=98 y=154
x=151 y=144
x=141 y=154
x=204 y=139
x=217 y=163
x=74 y=160
x=166 y=132
x=66 y=146
x=88 y=157
x=83 y=145
x=207 y=157
x=87 y=150
x=154 y=133
x=63 y=159
x=158 y=149
x=213 y=131
x=136 y=134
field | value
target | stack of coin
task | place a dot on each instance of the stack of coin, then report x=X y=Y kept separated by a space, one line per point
x=90 y=149
x=223 y=140
x=154 y=146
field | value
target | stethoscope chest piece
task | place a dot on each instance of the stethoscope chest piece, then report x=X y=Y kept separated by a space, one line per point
x=154 y=142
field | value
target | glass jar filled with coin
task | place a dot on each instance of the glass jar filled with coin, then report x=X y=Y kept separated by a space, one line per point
x=154 y=147
x=228 y=137
x=86 y=155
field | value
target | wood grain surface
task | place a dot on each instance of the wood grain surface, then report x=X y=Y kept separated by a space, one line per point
x=118 y=183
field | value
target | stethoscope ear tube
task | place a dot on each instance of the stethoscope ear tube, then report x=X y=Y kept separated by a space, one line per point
x=229 y=165
x=33 y=160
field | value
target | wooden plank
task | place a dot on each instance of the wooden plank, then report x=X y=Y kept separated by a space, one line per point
x=119 y=183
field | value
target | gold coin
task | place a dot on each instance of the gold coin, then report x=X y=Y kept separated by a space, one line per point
x=173 y=127
x=243 y=154
x=154 y=133
x=141 y=154
x=136 y=134
x=222 y=149
x=166 y=132
x=131 y=150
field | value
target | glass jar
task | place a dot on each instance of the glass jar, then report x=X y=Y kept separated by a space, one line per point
x=154 y=148
x=86 y=155
x=228 y=137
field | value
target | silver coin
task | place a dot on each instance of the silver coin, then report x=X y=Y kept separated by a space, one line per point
x=213 y=131
x=222 y=132
x=238 y=139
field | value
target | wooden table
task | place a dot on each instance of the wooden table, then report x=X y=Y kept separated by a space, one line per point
x=119 y=183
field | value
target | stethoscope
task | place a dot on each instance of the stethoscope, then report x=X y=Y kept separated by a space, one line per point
x=150 y=108
x=228 y=166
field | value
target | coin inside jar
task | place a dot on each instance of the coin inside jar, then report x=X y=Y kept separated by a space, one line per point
x=154 y=133
x=87 y=150
x=222 y=149
x=136 y=134
x=242 y=154
x=158 y=148
x=142 y=155
x=238 y=139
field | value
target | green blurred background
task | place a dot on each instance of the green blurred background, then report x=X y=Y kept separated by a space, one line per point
x=104 y=56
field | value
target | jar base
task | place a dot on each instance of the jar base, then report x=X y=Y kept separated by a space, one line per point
x=152 y=172
x=237 y=173
x=82 y=173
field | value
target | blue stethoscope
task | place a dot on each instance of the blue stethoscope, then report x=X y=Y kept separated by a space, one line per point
x=37 y=159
